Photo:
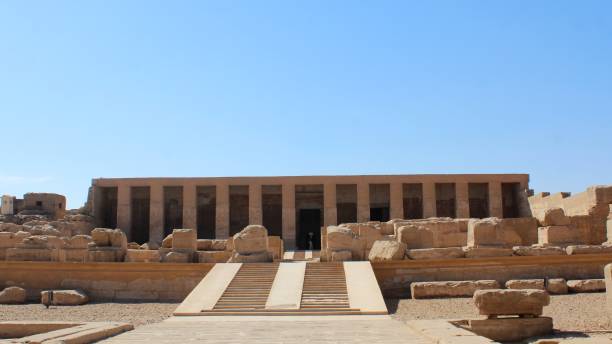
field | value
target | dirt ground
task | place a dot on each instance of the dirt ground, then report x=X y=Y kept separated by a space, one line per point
x=574 y=315
x=135 y=313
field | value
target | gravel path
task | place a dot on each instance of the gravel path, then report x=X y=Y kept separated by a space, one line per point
x=574 y=312
x=135 y=313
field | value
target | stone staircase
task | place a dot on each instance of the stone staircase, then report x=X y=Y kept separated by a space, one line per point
x=248 y=291
x=296 y=288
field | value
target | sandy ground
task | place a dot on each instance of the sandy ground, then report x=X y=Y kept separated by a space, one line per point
x=135 y=313
x=574 y=316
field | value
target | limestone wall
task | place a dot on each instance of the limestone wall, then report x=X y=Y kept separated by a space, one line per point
x=173 y=282
x=106 y=281
x=394 y=277
x=589 y=209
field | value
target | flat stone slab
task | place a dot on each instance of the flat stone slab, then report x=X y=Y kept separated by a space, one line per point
x=286 y=292
x=424 y=290
x=206 y=294
x=511 y=301
x=511 y=329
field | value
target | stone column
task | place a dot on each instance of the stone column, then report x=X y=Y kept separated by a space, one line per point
x=330 y=213
x=124 y=210
x=222 y=212
x=495 y=199
x=189 y=207
x=156 y=213
x=363 y=202
x=289 y=216
x=462 y=199
x=396 y=201
x=255 y=211
x=429 y=199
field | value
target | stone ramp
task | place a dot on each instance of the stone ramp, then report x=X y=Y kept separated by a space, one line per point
x=283 y=289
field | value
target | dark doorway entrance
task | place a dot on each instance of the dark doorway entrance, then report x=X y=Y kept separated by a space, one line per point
x=379 y=214
x=309 y=221
x=141 y=206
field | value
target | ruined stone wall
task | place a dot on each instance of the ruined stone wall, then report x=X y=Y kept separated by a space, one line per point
x=106 y=281
x=395 y=277
x=588 y=210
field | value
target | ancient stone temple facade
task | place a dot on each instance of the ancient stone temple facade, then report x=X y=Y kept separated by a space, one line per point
x=295 y=208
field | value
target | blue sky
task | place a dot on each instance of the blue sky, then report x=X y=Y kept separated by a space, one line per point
x=179 y=88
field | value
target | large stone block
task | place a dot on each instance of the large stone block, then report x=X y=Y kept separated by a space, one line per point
x=167 y=241
x=339 y=238
x=142 y=256
x=79 y=241
x=415 y=237
x=259 y=257
x=12 y=295
x=497 y=232
x=525 y=284
x=484 y=252
x=558 y=235
x=588 y=249
x=520 y=231
x=101 y=237
x=436 y=253
x=384 y=250
x=275 y=247
x=177 y=257
x=511 y=329
x=423 y=290
x=556 y=286
x=252 y=239
x=79 y=255
x=219 y=245
x=608 y=283
x=213 y=256
x=483 y=232
x=117 y=238
x=204 y=244
x=35 y=241
x=341 y=256
x=538 y=251
x=358 y=249
x=586 y=286
x=511 y=301
x=554 y=217
x=106 y=254
x=63 y=297
x=369 y=234
x=184 y=240
x=28 y=254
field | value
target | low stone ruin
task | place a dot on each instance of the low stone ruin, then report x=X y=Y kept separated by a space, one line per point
x=63 y=297
x=447 y=238
x=12 y=295
x=512 y=314
x=108 y=245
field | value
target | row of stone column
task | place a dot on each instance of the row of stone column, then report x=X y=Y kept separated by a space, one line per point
x=156 y=221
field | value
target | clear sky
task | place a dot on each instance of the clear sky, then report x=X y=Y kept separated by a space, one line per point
x=232 y=88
